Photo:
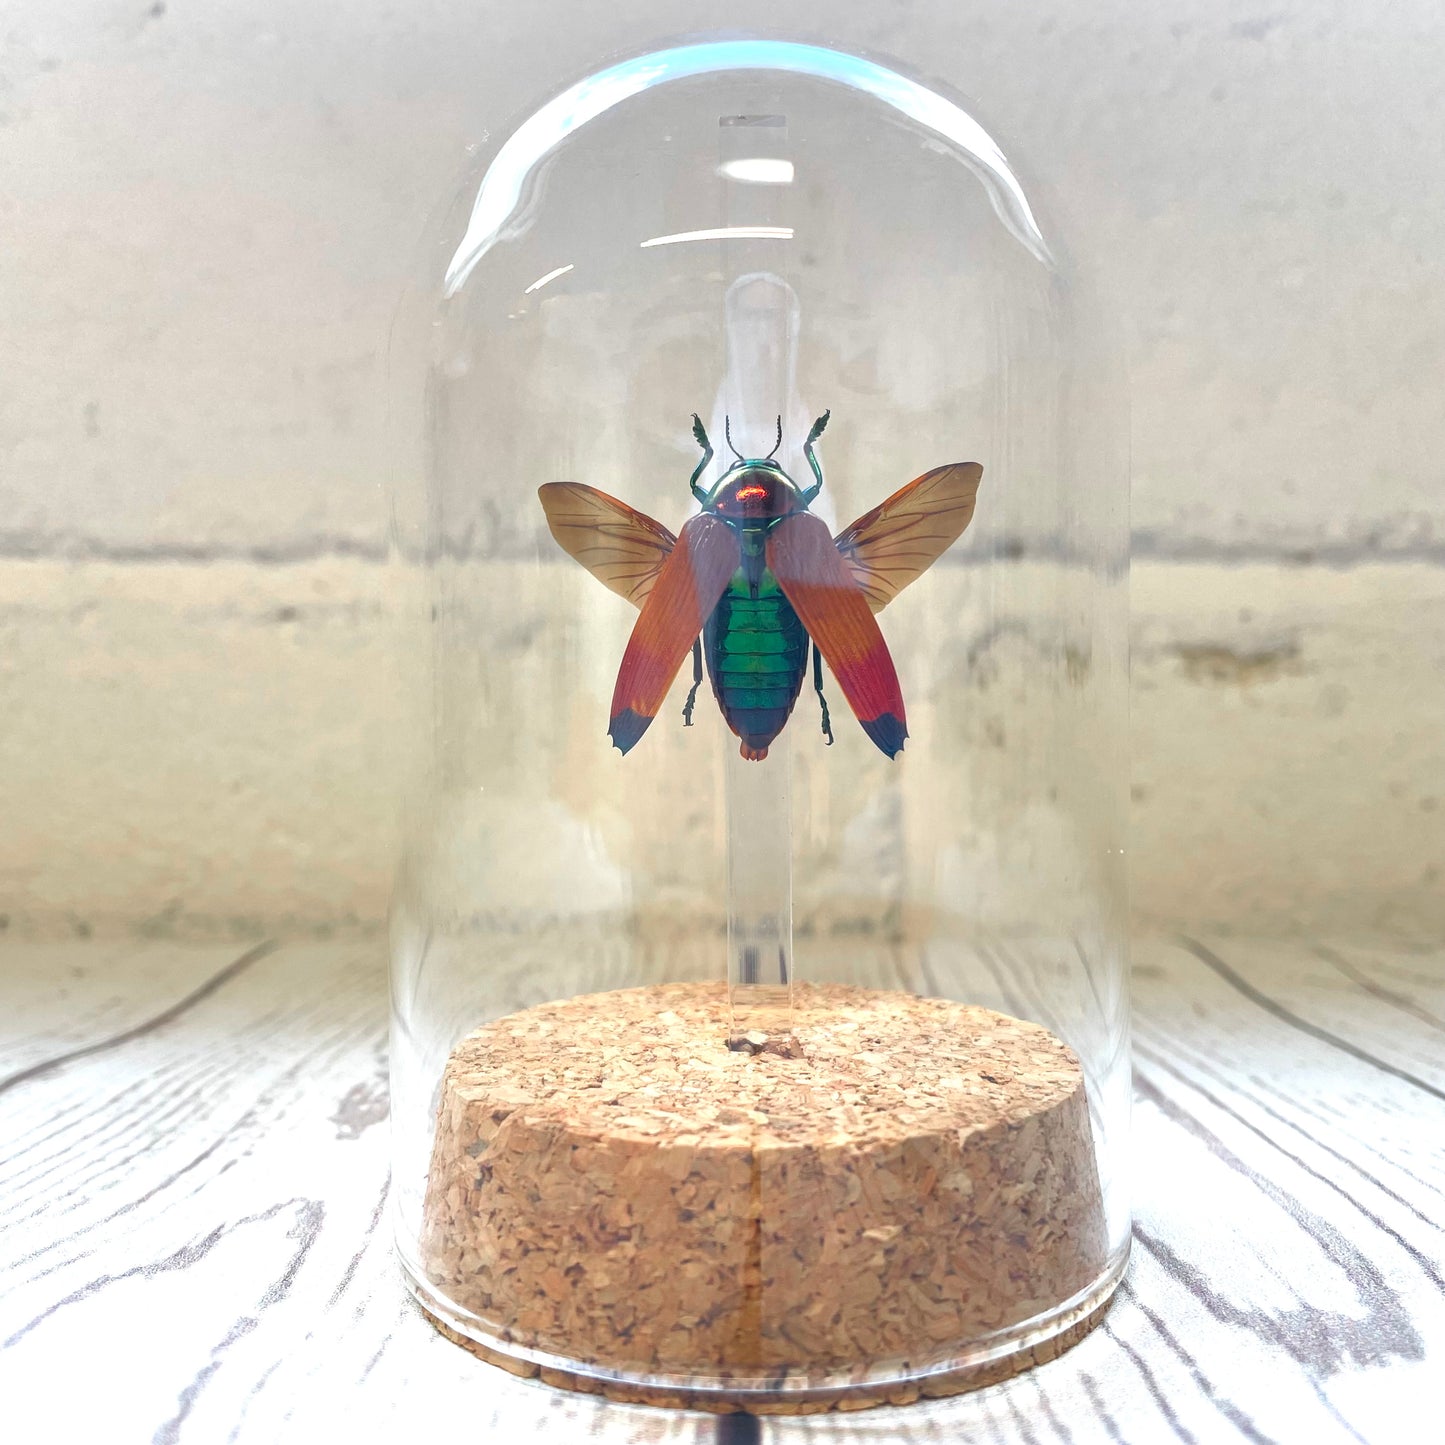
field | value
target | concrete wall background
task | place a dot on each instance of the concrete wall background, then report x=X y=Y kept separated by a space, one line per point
x=209 y=210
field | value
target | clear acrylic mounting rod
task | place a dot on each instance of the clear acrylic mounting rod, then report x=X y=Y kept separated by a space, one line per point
x=761 y=322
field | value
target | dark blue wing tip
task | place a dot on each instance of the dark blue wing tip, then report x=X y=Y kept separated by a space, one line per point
x=887 y=732
x=626 y=728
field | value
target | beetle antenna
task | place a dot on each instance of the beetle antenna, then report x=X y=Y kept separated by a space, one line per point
x=728 y=433
x=779 y=441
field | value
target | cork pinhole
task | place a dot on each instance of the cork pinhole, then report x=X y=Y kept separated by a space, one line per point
x=756 y=1041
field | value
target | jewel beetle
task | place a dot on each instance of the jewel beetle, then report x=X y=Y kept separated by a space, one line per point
x=753 y=582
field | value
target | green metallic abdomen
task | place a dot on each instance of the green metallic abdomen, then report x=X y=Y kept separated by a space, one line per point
x=757 y=653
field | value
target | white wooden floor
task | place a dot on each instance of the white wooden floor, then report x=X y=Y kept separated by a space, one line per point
x=194 y=1250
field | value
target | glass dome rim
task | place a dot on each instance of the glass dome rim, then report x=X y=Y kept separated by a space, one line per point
x=500 y=204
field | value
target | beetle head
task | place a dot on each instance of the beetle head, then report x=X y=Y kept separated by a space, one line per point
x=754 y=489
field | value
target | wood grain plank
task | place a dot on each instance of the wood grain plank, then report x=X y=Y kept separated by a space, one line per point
x=196 y=1212
x=65 y=997
x=1374 y=1122
x=1332 y=1010
x=1328 y=1267
x=1414 y=971
x=188 y=1204
x=1393 y=995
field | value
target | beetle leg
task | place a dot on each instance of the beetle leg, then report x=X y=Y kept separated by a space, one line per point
x=696 y=682
x=818 y=688
x=817 y=431
x=700 y=432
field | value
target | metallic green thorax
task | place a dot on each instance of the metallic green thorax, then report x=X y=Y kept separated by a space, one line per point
x=757 y=653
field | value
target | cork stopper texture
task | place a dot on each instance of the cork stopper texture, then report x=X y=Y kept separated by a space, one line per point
x=611 y=1184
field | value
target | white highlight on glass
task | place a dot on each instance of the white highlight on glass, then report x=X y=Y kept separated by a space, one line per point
x=725 y=233
x=759 y=170
x=541 y=281
x=499 y=211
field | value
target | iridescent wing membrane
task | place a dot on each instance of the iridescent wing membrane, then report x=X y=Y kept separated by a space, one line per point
x=900 y=539
x=620 y=546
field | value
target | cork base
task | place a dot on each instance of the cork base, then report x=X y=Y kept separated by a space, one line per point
x=611 y=1185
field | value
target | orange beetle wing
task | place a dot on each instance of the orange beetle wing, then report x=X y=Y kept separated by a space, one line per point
x=691 y=580
x=823 y=591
